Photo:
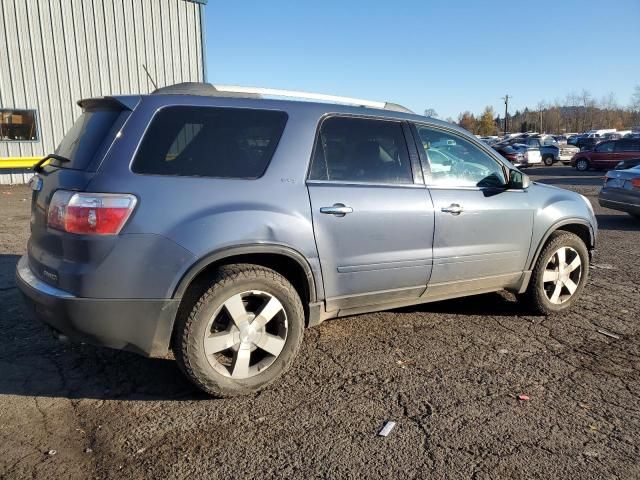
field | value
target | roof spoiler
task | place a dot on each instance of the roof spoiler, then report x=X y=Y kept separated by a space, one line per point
x=121 y=102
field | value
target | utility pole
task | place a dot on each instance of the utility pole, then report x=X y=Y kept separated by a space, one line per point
x=506 y=113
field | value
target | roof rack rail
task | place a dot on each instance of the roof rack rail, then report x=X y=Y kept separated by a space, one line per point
x=274 y=92
x=193 y=88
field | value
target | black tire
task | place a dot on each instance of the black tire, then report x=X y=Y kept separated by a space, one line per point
x=635 y=215
x=548 y=161
x=582 y=164
x=535 y=298
x=189 y=335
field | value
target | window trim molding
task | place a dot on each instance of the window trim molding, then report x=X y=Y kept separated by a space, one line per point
x=426 y=165
x=417 y=176
x=36 y=121
x=160 y=109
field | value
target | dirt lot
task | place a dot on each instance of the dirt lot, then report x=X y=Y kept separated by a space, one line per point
x=447 y=373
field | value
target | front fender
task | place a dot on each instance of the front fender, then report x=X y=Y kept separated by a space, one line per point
x=558 y=208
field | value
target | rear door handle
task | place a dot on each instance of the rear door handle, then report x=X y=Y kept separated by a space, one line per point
x=453 y=209
x=338 y=209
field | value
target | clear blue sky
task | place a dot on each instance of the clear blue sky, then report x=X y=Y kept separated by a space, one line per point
x=448 y=55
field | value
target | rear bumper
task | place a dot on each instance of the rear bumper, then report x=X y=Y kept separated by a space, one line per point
x=139 y=325
x=621 y=201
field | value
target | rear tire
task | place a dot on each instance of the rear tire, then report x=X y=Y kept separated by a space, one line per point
x=582 y=165
x=548 y=161
x=559 y=275
x=242 y=334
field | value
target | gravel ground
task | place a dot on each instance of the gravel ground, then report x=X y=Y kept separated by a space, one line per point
x=448 y=373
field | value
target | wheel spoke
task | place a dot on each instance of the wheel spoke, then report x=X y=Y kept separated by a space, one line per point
x=549 y=276
x=556 y=293
x=271 y=344
x=562 y=257
x=574 y=264
x=218 y=342
x=236 y=310
x=571 y=286
x=269 y=311
x=240 y=365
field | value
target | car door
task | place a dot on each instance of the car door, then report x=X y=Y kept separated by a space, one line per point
x=627 y=149
x=604 y=155
x=482 y=229
x=372 y=216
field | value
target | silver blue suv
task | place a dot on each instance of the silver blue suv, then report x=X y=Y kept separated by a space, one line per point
x=219 y=223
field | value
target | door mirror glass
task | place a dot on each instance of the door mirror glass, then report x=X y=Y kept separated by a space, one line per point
x=518 y=180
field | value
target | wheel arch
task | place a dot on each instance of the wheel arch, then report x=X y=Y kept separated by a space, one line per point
x=280 y=258
x=578 y=226
x=285 y=260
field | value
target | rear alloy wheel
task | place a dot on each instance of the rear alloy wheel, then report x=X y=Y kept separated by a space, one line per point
x=243 y=332
x=548 y=161
x=560 y=274
x=582 y=165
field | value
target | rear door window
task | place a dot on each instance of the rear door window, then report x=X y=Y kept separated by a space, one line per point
x=88 y=133
x=627 y=146
x=361 y=150
x=210 y=142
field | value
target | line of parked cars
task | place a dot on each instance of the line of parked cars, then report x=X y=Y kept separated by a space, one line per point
x=530 y=149
x=616 y=151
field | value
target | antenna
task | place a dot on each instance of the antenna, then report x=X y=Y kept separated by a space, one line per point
x=150 y=77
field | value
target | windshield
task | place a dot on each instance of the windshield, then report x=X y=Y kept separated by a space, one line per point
x=82 y=141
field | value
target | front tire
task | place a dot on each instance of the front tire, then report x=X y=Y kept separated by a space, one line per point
x=243 y=333
x=548 y=161
x=582 y=165
x=559 y=275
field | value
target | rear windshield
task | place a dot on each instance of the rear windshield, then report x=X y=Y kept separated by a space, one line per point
x=210 y=142
x=88 y=133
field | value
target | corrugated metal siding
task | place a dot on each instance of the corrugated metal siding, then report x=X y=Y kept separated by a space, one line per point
x=55 y=52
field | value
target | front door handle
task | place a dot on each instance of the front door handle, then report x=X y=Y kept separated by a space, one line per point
x=453 y=209
x=338 y=209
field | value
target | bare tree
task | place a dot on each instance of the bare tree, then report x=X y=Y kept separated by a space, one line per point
x=430 y=112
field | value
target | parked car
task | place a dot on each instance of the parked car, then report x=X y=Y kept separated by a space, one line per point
x=532 y=147
x=219 y=223
x=628 y=163
x=606 y=155
x=621 y=191
x=516 y=156
x=587 y=143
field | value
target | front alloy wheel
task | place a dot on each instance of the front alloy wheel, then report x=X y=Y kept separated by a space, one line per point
x=559 y=274
x=582 y=165
x=562 y=275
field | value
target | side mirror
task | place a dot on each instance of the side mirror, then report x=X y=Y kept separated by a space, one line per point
x=518 y=180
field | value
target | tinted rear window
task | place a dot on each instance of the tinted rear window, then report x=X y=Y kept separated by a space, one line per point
x=83 y=140
x=210 y=142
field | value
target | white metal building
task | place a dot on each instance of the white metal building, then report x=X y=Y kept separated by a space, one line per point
x=55 y=52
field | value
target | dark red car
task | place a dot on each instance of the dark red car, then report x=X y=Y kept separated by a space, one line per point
x=606 y=155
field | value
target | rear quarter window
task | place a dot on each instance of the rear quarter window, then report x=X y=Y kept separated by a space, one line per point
x=210 y=142
x=89 y=132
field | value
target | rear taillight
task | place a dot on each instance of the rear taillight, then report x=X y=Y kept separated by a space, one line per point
x=90 y=213
x=635 y=182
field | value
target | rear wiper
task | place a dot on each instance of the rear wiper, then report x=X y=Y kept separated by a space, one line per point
x=52 y=156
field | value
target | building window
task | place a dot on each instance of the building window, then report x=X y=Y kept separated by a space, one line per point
x=18 y=125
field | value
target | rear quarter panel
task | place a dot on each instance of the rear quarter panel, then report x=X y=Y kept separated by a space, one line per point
x=204 y=215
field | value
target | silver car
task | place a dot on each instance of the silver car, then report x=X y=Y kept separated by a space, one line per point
x=219 y=223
